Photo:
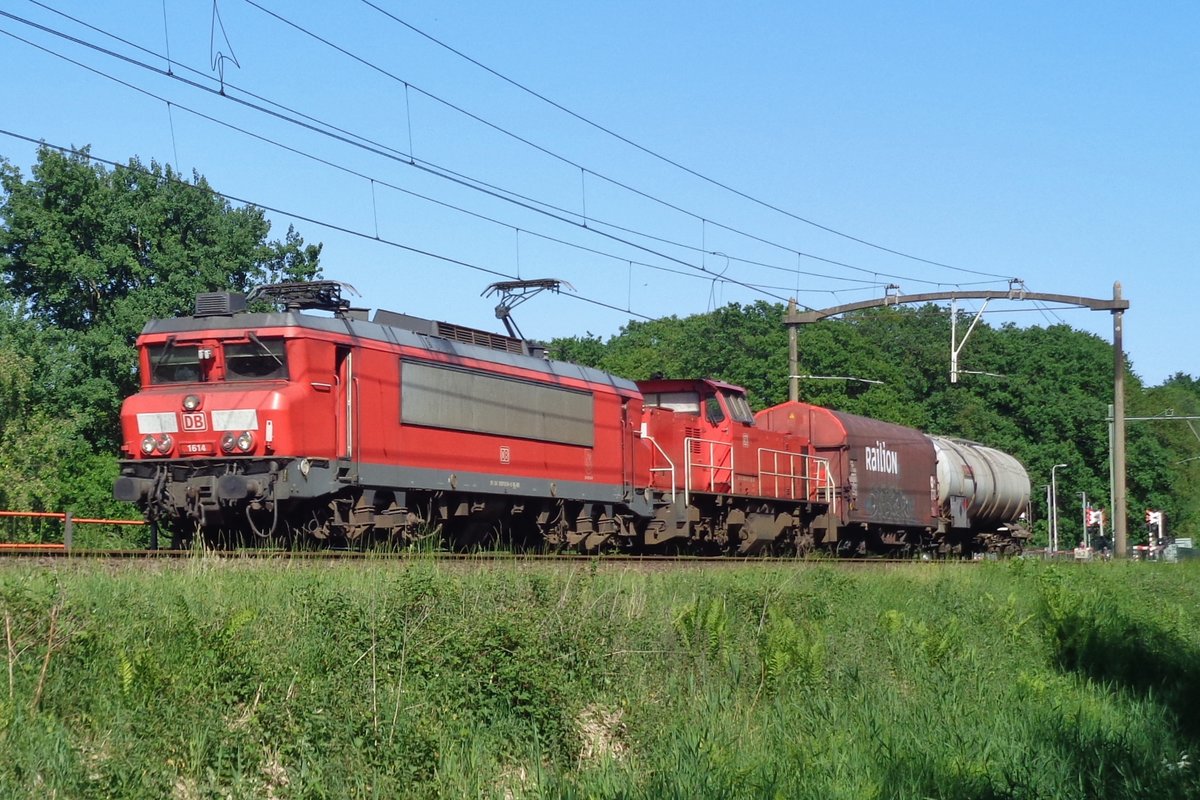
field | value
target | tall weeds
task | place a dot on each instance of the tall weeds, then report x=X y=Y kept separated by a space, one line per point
x=508 y=680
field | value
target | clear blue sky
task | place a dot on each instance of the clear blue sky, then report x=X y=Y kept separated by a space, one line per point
x=1058 y=143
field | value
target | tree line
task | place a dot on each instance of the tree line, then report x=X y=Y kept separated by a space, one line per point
x=89 y=253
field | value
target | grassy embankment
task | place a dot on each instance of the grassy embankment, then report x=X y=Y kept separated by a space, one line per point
x=216 y=679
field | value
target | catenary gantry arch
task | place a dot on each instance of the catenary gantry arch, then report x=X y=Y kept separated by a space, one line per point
x=1117 y=306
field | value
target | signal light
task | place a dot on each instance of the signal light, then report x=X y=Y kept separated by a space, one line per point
x=245 y=442
x=191 y=402
x=164 y=445
x=148 y=445
x=227 y=442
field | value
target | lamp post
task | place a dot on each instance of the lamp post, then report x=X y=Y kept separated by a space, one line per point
x=1054 y=506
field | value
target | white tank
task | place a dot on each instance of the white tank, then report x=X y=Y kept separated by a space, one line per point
x=990 y=486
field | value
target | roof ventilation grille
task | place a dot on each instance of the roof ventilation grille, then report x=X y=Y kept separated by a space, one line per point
x=218 y=304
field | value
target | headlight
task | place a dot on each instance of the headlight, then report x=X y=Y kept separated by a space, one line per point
x=164 y=446
x=148 y=445
x=245 y=442
x=228 y=442
x=191 y=402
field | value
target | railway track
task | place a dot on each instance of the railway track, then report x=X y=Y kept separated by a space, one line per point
x=58 y=552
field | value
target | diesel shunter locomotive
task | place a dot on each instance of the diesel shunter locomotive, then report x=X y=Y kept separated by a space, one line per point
x=317 y=422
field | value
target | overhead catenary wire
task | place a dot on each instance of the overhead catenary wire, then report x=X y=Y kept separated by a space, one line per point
x=657 y=155
x=467 y=181
x=528 y=204
x=304 y=218
x=434 y=169
x=347 y=137
x=87 y=154
x=571 y=162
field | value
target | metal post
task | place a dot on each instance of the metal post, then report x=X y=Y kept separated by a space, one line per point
x=1048 y=517
x=1112 y=480
x=793 y=355
x=953 y=341
x=1054 y=503
x=1118 y=444
x=68 y=530
x=1084 y=539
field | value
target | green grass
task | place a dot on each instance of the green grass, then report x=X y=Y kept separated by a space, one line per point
x=211 y=678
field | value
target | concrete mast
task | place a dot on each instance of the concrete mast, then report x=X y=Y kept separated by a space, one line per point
x=1118 y=444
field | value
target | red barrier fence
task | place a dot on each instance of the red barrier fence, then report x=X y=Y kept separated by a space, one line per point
x=69 y=522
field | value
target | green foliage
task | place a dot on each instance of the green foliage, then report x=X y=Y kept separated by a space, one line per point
x=1095 y=631
x=746 y=345
x=791 y=656
x=214 y=678
x=703 y=627
x=87 y=256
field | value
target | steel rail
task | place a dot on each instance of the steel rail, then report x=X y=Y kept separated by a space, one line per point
x=52 y=551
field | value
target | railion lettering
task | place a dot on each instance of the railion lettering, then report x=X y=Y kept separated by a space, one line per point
x=880 y=459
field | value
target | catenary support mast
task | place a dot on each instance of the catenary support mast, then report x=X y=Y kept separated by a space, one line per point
x=1120 y=540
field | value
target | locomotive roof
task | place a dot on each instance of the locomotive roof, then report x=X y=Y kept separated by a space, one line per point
x=379 y=331
x=668 y=384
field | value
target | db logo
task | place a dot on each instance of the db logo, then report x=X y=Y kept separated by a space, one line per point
x=195 y=422
x=505 y=455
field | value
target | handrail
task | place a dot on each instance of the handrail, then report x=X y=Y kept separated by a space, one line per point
x=823 y=477
x=62 y=516
x=712 y=466
x=670 y=464
x=69 y=521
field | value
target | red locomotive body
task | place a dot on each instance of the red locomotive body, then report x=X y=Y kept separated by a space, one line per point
x=743 y=487
x=289 y=423
x=297 y=426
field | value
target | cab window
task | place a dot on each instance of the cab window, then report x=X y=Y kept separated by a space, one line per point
x=680 y=402
x=172 y=363
x=739 y=408
x=713 y=410
x=256 y=360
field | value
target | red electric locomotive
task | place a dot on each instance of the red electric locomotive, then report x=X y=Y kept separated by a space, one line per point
x=294 y=426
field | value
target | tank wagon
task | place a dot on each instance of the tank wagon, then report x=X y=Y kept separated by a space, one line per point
x=292 y=426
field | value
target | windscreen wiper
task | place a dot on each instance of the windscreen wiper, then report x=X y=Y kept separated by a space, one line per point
x=254 y=338
x=168 y=346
